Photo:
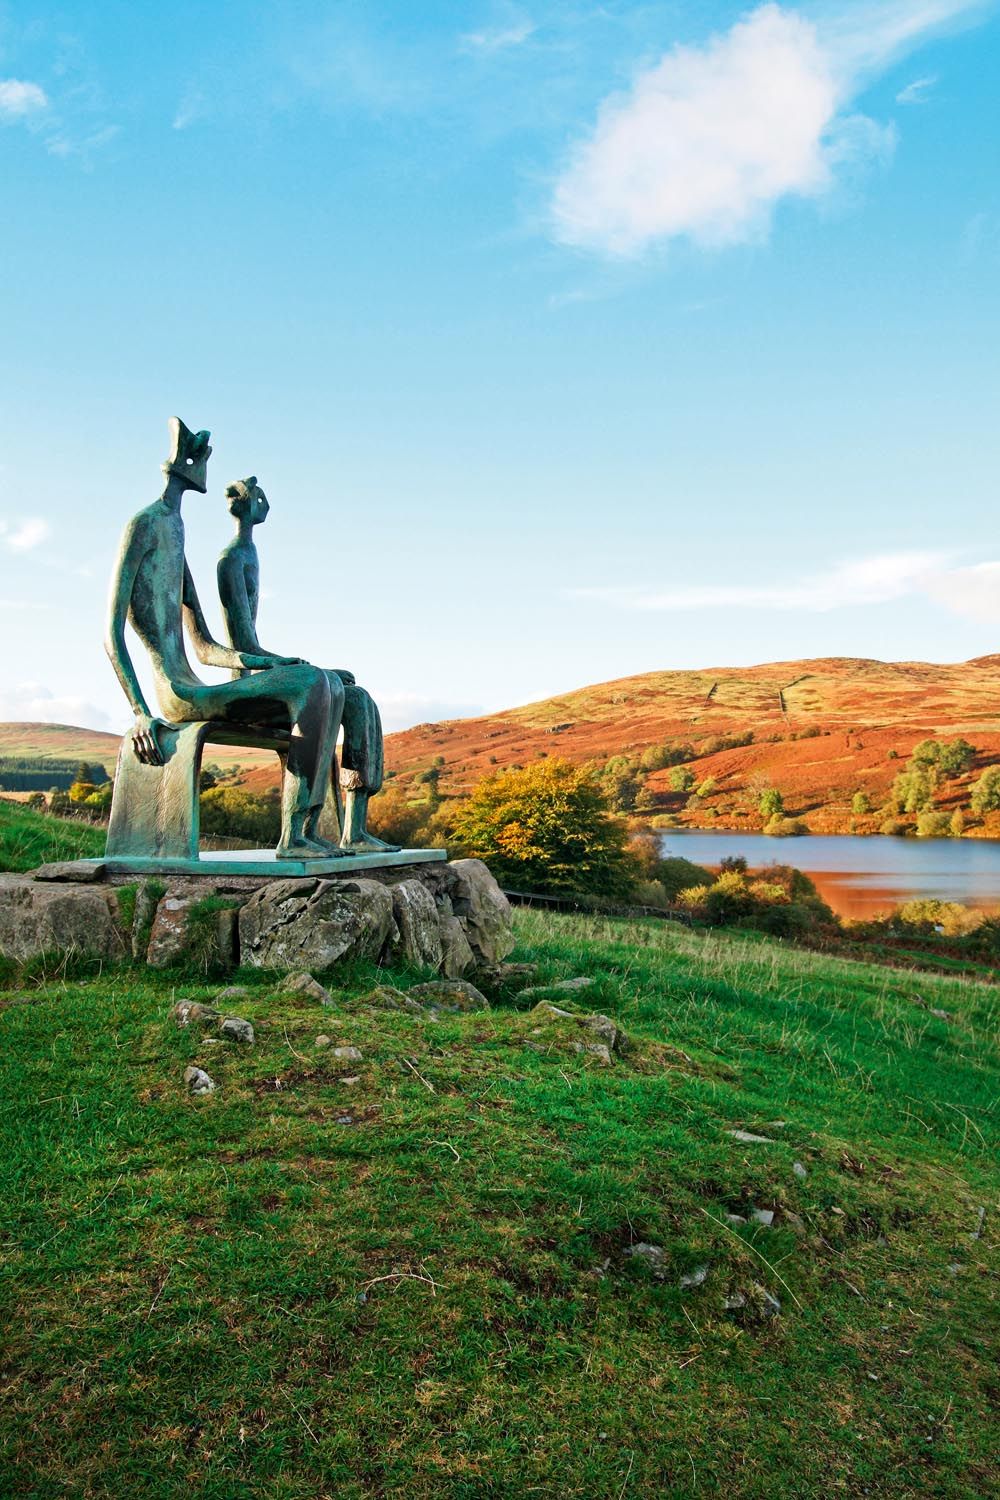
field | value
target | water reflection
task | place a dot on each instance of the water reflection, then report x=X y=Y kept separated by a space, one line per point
x=859 y=877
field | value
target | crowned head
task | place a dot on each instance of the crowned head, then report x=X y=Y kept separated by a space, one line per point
x=189 y=455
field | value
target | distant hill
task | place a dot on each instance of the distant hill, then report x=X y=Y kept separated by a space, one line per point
x=45 y=742
x=823 y=729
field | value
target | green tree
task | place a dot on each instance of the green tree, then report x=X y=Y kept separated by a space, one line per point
x=956 y=757
x=913 y=789
x=548 y=828
x=681 y=779
x=771 y=804
x=986 y=792
x=861 y=803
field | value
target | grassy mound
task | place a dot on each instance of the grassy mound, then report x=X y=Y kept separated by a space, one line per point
x=421 y=1282
x=29 y=838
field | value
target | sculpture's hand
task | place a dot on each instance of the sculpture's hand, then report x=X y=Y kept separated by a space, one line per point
x=346 y=676
x=145 y=739
x=259 y=663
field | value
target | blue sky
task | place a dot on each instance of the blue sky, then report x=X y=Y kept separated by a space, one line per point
x=567 y=340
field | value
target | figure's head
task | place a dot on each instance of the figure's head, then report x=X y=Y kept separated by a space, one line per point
x=189 y=455
x=247 y=501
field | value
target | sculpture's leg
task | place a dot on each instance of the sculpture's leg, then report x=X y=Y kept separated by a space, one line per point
x=362 y=771
x=301 y=694
x=154 y=809
x=315 y=817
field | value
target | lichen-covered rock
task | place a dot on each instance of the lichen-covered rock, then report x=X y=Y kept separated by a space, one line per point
x=305 y=984
x=449 y=994
x=192 y=1012
x=457 y=958
x=198 y=1081
x=169 y=939
x=237 y=1030
x=416 y=938
x=482 y=909
x=41 y=917
x=313 y=924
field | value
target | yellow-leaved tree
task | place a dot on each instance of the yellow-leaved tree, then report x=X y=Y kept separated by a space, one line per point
x=548 y=828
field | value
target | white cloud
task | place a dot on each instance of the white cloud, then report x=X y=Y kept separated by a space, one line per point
x=971 y=591
x=707 y=140
x=26 y=534
x=33 y=703
x=19 y=98
x=918 y=91
x=870 y=580
x=498 y=39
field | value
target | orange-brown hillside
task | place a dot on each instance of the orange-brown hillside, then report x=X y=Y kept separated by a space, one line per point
x=823 y=730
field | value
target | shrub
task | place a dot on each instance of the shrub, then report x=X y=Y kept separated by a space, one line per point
x=986 y=792
x=771 y=804
x=894 y=827
x=548 y=828
x=676 y=874
x=785 y=828
x=913 y=789
x=232 y=812
x=933 y=825
x=706 y=788
x=733 y=864
x=957 y=825
x=681 y=779
x=861 y=803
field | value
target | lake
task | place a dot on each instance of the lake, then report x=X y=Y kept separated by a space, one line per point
x=858 y=877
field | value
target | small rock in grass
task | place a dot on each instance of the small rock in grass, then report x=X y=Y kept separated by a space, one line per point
x=748 y=1138
x=954 y=1268
x=579 y=983
x=323 y=1040
x=769 y=1306
x=977 y=1233
x=198 y=1081
x=450 y=994
x=694 y=1278
x=763 y=1216
x=942 y=1015
x=505 y=973
x=652 y=1256
x=799 y=1169
x=549 y=1012
x=233 y=992
x=186 y=1011
x=734 y=1302
x=387 y=997
x=351 y=1080
x=305 y=984
x=348 y=1054
x=735 y=1219
x=604 y=1028
x=237 y=1029
x=601 y=1052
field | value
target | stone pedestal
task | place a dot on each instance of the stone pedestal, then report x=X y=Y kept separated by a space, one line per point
x=447 y=916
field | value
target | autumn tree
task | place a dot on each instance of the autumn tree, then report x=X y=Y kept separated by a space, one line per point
x=547 y=828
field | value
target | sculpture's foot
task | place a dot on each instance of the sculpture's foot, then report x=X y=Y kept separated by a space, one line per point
x=367 y=843
x=303 y=848
x=331 y=851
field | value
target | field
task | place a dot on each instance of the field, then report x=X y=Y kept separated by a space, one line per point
x=420 y=1282
x=29 y=839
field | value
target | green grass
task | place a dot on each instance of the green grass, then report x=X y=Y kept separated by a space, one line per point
x=29 y=838
x=417 y=1284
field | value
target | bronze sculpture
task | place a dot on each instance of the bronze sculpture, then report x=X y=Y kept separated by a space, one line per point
x=362 y=755
x=153 y=589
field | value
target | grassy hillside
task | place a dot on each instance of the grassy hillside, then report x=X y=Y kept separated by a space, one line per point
x=29 y=839
x=823 y=729
x=419 y=1282
x=42 y=742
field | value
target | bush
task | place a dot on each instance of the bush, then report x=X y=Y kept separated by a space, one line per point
x=861 y=803
x=771 y=804
x=548 y=828
x=957 y=825
x=232 y=812
x=986 y=792
x=913 y=789
x=676 y=874
x=785 y=828
x=681 y=779
x=933 y=825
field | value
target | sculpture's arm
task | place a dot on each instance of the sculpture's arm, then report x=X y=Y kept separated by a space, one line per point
x=130 y=555
x=210 y=652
